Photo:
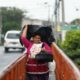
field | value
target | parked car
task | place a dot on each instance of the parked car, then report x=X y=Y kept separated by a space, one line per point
x=11 y=40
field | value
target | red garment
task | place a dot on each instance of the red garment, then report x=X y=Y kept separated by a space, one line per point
x=31 y=66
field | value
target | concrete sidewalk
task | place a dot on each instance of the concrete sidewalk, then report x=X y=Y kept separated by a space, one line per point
x=52 y=66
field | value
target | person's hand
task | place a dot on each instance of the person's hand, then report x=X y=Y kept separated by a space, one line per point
x=25 y=26
x=43 y=49
x=28 y=57
x=24 y=30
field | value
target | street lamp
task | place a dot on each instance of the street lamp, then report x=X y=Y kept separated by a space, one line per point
x=57 y=16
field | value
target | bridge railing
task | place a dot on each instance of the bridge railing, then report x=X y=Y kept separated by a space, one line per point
x=65 y=68
x=16 y=70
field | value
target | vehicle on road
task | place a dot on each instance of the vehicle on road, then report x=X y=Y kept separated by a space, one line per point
x=11 y=40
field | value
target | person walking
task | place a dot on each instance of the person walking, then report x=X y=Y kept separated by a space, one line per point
x=34 y=71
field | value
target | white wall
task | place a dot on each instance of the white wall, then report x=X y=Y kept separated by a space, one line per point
x=31 y=21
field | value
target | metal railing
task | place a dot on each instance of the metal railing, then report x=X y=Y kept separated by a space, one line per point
x=65 y=68
x=16 y=70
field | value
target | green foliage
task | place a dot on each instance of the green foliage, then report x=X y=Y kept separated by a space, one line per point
x=10 y=26
x=59 y=43
x=11 y=18
x=77 y=61
x=71 y=45
x=72 y=40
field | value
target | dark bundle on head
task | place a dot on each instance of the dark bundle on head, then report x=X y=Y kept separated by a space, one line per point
x=45 y=32
x=36 y=33
x=32 y=30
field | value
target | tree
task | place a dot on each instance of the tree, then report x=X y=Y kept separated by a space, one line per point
x=75 y=22
x=11 y=18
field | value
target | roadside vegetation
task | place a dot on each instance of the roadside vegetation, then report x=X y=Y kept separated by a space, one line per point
x=71 y=45
x=11 y=19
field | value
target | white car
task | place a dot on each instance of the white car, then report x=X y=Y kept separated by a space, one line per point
x=11 y=40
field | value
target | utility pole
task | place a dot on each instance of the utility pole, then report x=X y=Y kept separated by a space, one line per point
x=63 y=19
x=57 y=17
x=56 y=12
x=63 y=14
x=55 y=23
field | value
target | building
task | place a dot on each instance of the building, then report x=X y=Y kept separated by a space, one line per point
x=34 y=21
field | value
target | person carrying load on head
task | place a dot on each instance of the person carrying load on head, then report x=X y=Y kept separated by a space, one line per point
x=35 y=71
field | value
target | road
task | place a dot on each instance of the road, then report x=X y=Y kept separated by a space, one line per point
x=7 y=58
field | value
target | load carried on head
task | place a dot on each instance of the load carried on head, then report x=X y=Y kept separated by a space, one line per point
x=44 y=31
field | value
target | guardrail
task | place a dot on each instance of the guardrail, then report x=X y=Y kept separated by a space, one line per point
x=65 y=68
x=16 y=70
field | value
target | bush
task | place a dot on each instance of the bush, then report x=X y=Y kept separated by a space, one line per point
x=71 y=45
x=72 y=40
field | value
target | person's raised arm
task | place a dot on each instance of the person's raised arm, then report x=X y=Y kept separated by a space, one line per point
x=24 y=40
x=24 y=31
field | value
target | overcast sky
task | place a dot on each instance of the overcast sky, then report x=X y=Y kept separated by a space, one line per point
x=37 y=8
